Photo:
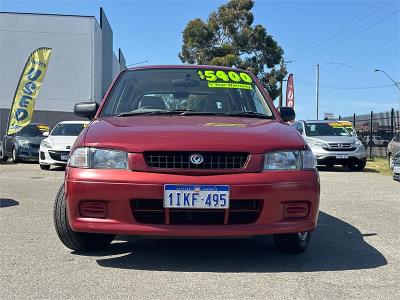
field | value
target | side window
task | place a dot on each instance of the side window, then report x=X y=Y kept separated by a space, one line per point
x=298 y=127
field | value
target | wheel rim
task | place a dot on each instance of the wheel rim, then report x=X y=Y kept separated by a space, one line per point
x=302 y=235
x=391 y=161
x=14 y=154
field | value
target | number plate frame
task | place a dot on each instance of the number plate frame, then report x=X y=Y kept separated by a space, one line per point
x=202 y=191
x=342 y=156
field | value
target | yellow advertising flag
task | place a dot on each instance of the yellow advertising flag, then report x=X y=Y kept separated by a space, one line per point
x=28 y=89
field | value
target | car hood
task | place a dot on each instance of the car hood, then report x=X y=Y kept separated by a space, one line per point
x=335 y=139
x=31 y=139
x=192 y=133
x=61 y=140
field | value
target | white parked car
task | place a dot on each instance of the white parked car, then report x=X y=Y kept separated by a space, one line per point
x=377 y=140
x=54 y=150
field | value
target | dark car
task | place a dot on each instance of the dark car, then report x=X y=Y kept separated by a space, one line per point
x=24 y=145
x=396 y=166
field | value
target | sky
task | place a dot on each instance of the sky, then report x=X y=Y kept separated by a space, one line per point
x=348 y=39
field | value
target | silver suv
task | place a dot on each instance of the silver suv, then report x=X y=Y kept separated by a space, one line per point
x=332 y=144
x=393 y=148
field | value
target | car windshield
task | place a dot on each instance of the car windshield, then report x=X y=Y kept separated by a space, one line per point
x=31 y=131
x=186 y=92
x=67 y=129
x=325 y=129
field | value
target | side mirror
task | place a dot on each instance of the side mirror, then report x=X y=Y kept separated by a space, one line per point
x=86 y=109
x=46 y=133
x=287 y=113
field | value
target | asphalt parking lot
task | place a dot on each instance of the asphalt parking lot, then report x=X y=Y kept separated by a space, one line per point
x=354 y=253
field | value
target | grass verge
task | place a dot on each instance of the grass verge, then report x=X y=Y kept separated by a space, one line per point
x=378 y=165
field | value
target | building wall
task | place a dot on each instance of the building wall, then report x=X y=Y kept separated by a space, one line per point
x=107 y=52
x=81 y=67
x=69 y=77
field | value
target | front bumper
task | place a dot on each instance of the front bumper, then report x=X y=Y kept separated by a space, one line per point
x=118 y=187
x=46 y=159
x=396 y=177
x=28 y=154
x=332 y=156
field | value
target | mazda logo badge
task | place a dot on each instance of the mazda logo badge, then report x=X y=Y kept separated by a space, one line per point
x=196 y=159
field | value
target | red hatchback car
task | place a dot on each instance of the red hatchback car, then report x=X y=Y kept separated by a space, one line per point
x=188 y=151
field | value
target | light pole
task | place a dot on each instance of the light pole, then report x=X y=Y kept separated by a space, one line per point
x=395 y=83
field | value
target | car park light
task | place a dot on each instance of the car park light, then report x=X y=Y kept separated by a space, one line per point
x=93 y=209
x=309 y=161
x=290 y=160
x=293 y=210
x=79 y=158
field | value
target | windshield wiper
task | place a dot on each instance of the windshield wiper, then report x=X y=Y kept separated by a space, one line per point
x=154 y=112
x=191 y=112
x=250 y=114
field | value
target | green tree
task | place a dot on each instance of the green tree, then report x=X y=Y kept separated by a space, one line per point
x=228 y=38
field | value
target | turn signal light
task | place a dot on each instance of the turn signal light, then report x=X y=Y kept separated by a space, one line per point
x=93 y=209
x=296 y=210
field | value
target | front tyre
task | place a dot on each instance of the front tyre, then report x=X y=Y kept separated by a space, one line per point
x=293 y=243
x=77 y=241
x=358 y=166
x=15 y=157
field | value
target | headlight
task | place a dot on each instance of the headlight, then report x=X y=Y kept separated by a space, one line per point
x=45 y=144
x=95 y=158
x=316 y=143
x=358 y=143
x=290 y=160
x=23 y=143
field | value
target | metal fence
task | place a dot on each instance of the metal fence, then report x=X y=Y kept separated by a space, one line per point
x=376 y=130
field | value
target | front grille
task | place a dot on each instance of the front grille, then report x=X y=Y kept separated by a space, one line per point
x=34 y=146
x=56 y=155
x=151 y=211
x=340 y=147
x=181 y=160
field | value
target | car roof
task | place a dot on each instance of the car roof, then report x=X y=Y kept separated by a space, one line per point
x=74 y=122
x=185 y=67
x=317 y=121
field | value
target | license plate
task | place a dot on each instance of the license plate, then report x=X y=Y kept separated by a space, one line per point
x=396 y=169
x=64 y=157
x=341 y=156
x=196 y=196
